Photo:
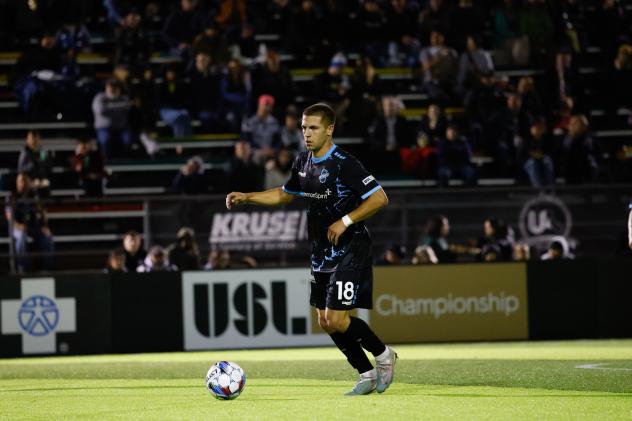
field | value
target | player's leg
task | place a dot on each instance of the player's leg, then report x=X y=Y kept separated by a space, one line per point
x=318 y=296
x=339 y=320
x=355 y=289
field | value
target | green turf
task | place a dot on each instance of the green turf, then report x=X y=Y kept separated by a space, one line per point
x=495 y=381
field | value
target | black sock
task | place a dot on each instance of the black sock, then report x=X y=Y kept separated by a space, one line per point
x=353 y=351
x=361 y=333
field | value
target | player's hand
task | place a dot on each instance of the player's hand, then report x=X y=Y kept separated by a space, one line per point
x=334 y=231
x=235 y=199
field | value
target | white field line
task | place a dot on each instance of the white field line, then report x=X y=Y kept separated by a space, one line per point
x=599 y=366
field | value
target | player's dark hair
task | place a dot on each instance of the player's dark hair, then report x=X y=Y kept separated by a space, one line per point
x=327 y=114
x=131 y=233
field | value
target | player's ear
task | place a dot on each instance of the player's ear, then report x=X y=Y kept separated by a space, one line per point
x=330 y=130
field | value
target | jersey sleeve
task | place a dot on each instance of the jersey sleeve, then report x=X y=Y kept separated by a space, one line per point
x=356 y=177
x=293 y=185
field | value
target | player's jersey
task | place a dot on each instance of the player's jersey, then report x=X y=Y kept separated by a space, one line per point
x=334 y=185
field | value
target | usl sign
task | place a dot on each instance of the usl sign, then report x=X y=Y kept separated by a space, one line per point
x=38 y=315
x=450 y=303
x=249 y=308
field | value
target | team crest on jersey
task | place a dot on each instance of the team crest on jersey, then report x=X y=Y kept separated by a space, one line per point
x=323 y=175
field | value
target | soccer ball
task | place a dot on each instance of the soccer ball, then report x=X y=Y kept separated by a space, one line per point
x=225 y=380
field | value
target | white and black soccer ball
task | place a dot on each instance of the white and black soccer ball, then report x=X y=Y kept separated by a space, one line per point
x=225 y=380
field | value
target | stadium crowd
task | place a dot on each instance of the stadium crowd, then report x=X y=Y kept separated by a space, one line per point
x=211 y=62
x=219 y=73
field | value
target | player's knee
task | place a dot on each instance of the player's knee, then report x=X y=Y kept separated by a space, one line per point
x=337 y=324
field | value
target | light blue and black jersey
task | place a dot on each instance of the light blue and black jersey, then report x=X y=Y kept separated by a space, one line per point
x=333 y=185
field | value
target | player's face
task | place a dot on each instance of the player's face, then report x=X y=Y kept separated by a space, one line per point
x=315 y=132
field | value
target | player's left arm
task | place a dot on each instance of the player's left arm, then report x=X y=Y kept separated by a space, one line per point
x=368 y=208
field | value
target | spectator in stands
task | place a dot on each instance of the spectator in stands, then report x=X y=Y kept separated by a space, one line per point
x=371 y=25
x=433 y=124
x=535 y=155
x=184 y=253
x=134 y=252
x=567 y=72
x=235 y=89
x=262 y=129
x=490 y=253
x=213 y=43
x=537 y=26
x=183 y=25
x=36 y=163
x=420 y=160
x=204 y=88
x=222 y=259
x=558 y=250
x=531 y=100
x=249 y=51
x=144 y=111
x=244 y=174
x=111 y=119
x=27 y=218
x=173 y=100
x=521 y=252
x=473 y=63
x=290 y=136
x=617 y=84
x=439 y=67
x=608 y=26
x=73 y=36
x=132 y=45
x=89 y=166
x=454 y=158
x=579 y=155
x=511 y=47
x=401 y=31
x=466 y=20
x=436 y=238
x=388 y=133
x=498 y=234
x=190 y=179
x=217 y=260
x=332 y=87
x=435 y=17
x=36 y=77
x=364 y=96
x=272 y=78
x=116 y=262
x=394 y=255
x=482 y=104
x=156 y=261
x=231 y=16
x=305 y=30
x=278 y=169
x=511 y=123
x=424 y=255
x=29 y=20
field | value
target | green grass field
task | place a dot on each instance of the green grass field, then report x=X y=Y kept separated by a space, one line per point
x=474 y=381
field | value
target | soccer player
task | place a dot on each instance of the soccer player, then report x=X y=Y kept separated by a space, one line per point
x=341 y=194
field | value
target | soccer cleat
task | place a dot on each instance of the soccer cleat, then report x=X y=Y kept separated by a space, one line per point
x=386 y=371
x=364 y=386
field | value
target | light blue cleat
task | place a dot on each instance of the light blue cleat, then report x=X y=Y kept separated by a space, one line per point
x=364 y=386
x=386 y=371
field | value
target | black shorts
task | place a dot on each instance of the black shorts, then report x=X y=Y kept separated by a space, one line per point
x=342 y=290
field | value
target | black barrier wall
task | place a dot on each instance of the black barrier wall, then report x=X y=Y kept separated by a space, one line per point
x=94 y=314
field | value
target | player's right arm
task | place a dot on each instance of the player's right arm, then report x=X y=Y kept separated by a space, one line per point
x=272 y=197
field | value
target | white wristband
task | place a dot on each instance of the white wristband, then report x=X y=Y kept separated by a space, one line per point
x=346 y=220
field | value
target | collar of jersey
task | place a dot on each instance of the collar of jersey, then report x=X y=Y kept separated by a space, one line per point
x=322 y=158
